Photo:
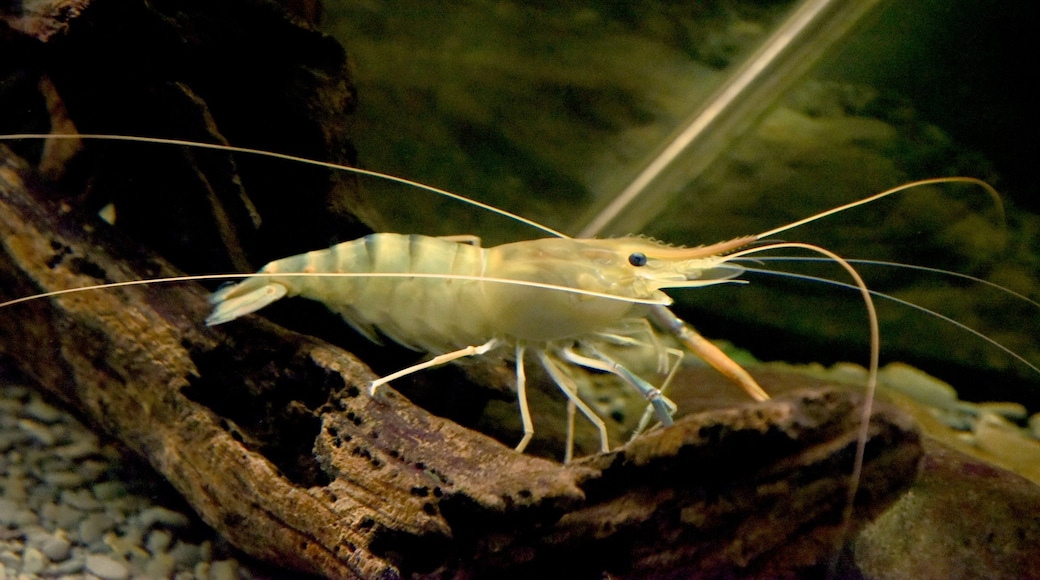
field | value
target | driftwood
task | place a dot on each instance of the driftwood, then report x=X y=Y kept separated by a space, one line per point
x=273 y=439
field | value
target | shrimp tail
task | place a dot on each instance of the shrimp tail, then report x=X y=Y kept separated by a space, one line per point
x=251 y=295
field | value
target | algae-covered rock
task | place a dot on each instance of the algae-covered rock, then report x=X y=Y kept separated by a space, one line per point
x=963 y=519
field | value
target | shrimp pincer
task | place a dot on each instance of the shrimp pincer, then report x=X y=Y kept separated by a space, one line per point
x=556 y=297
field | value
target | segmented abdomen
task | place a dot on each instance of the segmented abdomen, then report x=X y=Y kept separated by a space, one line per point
x=428 y=314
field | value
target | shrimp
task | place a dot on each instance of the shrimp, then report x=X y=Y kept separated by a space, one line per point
x=506 y=297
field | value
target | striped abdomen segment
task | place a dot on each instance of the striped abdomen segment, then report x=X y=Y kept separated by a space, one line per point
x=429 y=314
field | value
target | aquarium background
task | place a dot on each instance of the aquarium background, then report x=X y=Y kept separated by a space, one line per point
x=551 y=111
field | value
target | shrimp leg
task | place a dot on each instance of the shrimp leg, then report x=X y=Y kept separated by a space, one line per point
x=569 y=388
x=663 y=407
x=437 y=361
x=521 y=397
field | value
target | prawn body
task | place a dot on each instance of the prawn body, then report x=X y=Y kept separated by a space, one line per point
x=453 y=299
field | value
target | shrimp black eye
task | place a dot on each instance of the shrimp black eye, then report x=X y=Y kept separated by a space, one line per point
x=637 y=259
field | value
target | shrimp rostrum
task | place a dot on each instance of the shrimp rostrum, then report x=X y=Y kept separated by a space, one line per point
x=558 y=299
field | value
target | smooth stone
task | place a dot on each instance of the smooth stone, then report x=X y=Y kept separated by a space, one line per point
x=1008 y=410
x=68 y=479
x=10 y=439
x=82 y=447
x=223 y=570
x=66 y=516
x=160 y=566
x=81 y=499
x=73 y=565
x=108 y=490
x=93 y=527
x=8 y=509
x=1005 y=441
x=92 y=470
x=186 y=555
x=56 y=548
x=158 y=541
x=11 y=559
x=37 y=409
x=15 y=485
x=106 y=568
x=161 y=515
x=38 y=431
x=12 y=513
x=33 y=561
x=918 y=385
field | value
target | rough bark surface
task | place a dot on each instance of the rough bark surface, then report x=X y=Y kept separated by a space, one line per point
x=271 y=435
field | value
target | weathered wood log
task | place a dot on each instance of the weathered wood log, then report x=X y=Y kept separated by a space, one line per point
x=271 y=436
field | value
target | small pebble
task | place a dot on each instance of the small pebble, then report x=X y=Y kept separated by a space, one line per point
x=56 y=548
x=81 y=499
x=158 y=541
x=223 y=570
x=66 y=516
x=38 y=431
x=12 y=513
x=77 y=450
x=1006 y=441
x=108 y=490
x=160 y=566
x=187 y=555
x=68 y=479
x=33 y=561
x=1008 y=410
x=91 y=470
x=74 y=565
x=37 y=409
x=106 y=568
x=93 y=528
x=161 y=515
x=919 y=385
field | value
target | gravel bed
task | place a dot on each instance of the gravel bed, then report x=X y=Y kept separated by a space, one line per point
x=72 y=506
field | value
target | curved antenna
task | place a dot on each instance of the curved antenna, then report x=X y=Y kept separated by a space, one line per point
x=293 y=158
x=989 y=189
x=956 y=323
x=865 y=262
x=872 y=369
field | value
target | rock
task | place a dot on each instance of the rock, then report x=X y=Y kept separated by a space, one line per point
x=93 y=527
x=162 y=516
x=38 y=431
x=67 y=479
x=81 y=499
x=56 y=547
x=107 y=568
x=964 y=518
x=108 y=490
x=1009 y=446
x=223 y=570
x=158 y=541
x=33 y=561
x=41 y=411
x=160 y=566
